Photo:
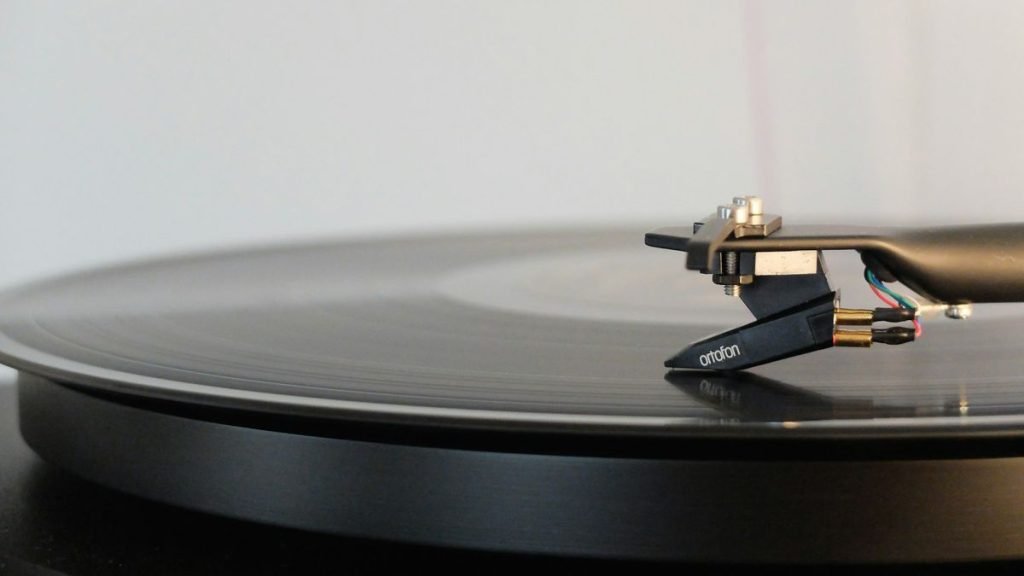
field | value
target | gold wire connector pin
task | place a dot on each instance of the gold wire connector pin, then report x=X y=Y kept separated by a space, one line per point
x=854 y=317
x=852 y=338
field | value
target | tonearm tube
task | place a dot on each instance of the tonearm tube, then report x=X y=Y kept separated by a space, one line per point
x=779 y=273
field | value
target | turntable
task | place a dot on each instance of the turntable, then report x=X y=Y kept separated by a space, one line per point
x=508 y=393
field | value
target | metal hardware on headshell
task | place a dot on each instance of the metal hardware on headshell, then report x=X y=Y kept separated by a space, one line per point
x=779 y=274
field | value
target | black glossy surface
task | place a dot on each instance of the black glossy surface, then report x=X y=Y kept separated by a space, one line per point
x=54 y=523
x=556 y=331
x=799 y=330
x=750 y=511
x=559 y=334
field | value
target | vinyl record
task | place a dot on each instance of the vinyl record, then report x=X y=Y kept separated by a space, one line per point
x=507 y=391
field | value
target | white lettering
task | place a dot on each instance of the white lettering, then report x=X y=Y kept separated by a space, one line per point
x=722 y=353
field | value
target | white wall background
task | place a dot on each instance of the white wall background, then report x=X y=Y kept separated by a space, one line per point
x=137 y=128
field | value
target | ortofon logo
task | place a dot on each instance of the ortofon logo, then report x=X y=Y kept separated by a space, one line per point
x=722 y=353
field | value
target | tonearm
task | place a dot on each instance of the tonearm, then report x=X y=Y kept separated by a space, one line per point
x=779 y=273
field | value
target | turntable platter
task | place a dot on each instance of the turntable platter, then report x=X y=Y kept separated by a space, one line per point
x=432 y=383
x=536 y=329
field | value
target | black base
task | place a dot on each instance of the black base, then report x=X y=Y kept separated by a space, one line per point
x=746 y=511
x=53 y=523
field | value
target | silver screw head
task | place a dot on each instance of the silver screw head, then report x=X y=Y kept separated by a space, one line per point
x=725 y=212
x=959 y=311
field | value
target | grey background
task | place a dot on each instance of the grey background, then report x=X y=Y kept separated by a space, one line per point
x=129 y=129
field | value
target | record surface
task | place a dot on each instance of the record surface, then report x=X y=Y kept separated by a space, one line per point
x=533 y=330
x=506 y=391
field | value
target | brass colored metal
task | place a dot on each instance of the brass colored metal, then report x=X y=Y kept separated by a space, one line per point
x=853 y=338
x=853 y=317
x=759 y=225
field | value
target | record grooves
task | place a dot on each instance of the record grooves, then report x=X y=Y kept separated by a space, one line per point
x=506 y=392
